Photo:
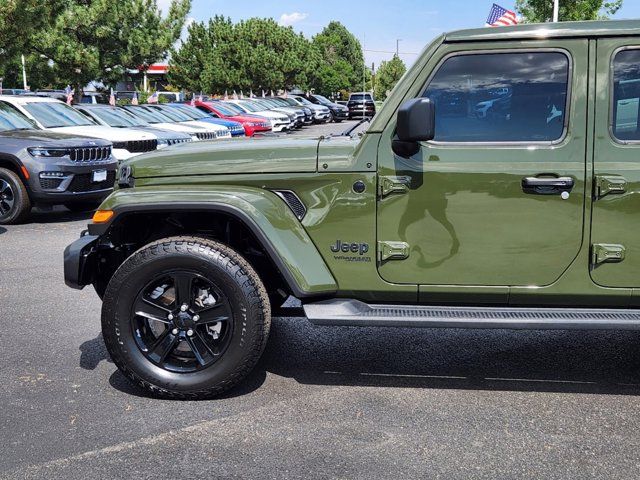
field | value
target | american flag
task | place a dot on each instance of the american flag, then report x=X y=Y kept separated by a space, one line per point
x=69 y=92
x=112 y=99
x=134 y=100
x=501 y=17
x=153 y=98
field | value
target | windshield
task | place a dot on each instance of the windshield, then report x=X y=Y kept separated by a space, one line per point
x=56 y=114
x=322 y=99
x=192 y=112
x=266 y=104
x=304 y=101
x=151 y=116
x=172 y=113
x=137 y=121
x=225 y=109
x=113 y=117
x=250 y=106
x=291 y=102
x=12 y=119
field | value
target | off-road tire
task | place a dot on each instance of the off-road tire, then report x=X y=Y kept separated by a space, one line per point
x=231 y=273
x=21 y=203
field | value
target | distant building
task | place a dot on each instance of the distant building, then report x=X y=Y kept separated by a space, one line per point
x=155 y=78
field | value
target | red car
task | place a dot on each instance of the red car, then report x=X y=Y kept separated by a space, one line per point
x=252 y=123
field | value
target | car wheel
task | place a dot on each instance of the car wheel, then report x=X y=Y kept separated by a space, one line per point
x=82 y=206
x=185 y=317
x=15 y=204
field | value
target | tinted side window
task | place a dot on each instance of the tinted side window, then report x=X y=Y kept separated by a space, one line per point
x=501 y=97
x=626 y=95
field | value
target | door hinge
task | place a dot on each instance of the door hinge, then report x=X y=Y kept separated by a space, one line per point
x=389 y=185
x=607 y=253
x=392 y=251
x=606 y=184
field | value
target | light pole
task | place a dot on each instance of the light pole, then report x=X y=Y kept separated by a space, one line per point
x=556 y=8
x=398 y=40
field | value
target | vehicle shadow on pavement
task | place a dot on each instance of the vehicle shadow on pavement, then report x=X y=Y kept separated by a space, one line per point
x=562 y=361
x=2 y=230
x=606 y=362
x=58 y=215
x=94 y=351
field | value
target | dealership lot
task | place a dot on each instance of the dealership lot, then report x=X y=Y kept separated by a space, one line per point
x=323 y=402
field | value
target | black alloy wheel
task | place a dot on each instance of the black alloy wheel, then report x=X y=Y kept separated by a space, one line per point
x=182 y=322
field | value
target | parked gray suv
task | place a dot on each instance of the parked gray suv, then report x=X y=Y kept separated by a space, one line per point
x=39 y=167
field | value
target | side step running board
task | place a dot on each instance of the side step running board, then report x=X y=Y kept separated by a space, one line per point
x=344 y=312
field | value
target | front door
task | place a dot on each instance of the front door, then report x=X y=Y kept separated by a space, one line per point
x=616 y=207
x=497 y=198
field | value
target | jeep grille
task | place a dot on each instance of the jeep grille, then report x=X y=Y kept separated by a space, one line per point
x=206 y=135
x=89 y=154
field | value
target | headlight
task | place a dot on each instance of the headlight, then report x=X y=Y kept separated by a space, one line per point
x=48 y=152
x=120 y=145
x=163 y=141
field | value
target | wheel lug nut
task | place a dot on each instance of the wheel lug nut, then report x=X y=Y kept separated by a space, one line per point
x=183 y=308
x=170 y=316
x=174 y=331
x=196 y=318
x=189 y=333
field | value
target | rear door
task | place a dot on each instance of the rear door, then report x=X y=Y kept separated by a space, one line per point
x=615 y=231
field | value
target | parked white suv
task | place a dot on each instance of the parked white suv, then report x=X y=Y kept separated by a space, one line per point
x=279 y=120
x=57 y=116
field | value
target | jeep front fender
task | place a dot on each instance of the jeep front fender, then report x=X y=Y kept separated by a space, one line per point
x=261 y=211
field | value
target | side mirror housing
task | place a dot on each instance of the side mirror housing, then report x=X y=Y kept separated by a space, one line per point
x=416 y=123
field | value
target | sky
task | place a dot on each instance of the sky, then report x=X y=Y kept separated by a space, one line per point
x=377 y=24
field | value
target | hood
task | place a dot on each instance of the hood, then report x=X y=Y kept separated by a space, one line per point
x=163 y=134
x=108 y=133
x=248 y=156
x=46 y=138
x=205 y=126
x=223 y=122
x=248 y=119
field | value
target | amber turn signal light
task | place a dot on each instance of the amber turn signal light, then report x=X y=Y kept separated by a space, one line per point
x=102 y=216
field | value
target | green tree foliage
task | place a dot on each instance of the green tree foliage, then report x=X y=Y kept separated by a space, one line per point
x=20 y=20
x=388 y=75
x=341 y=60
x=82 y=40
x=252 y=54
x=542 y=10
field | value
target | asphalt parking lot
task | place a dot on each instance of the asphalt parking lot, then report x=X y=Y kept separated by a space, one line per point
x=323 y=403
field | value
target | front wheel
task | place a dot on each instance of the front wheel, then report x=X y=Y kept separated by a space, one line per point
x=15 y=205
x=185 y=317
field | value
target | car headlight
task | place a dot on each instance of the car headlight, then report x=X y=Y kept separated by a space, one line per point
x=122 y=145
x=48 y=152
x=163 y=141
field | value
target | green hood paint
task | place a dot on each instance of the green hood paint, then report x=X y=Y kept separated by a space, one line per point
x=251 y=156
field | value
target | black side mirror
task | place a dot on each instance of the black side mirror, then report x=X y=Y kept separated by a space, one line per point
x=416 y=123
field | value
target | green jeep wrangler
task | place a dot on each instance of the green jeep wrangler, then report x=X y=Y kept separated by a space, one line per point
x=498 y=187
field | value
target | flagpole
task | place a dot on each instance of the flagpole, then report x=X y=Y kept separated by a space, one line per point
x=24 y=74
x=556 y=9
